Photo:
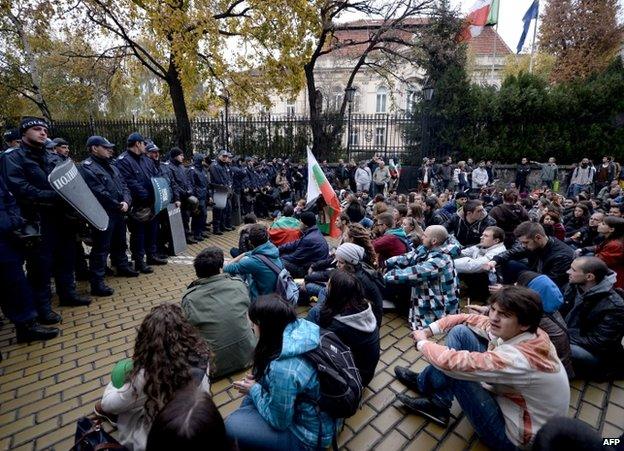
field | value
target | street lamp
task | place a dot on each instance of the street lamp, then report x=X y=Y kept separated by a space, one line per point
x=226 y=100
x=350 y=95
x=427 y=92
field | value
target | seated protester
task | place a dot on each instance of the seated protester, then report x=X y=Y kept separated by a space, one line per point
x=468 y=224
x=243 y=238
x=280 y=410
x=502 y=369
x=587 y=238
x=298 y=255
x=358 y=234
x=562 y=433
x=398 y=213
x=470 y=263
x=354 y=209
x=431 y=213
x=188 y=422
x=552 y=322
x=509 y=215
x=546 y=255
x=392 y=241
x=216 y=304
x=347 y=313
x=552 y=225
x=286 y=228
x=260 y=277
x=413 y=231
x=595 y=320
x=430 y=271
x=611 y=250
x=168 y=353
x=578 y=220
x=615 y=210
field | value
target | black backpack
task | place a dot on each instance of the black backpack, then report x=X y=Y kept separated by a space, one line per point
x=339 y=379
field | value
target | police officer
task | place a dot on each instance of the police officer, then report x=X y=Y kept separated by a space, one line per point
x=12 y=138
x=137 y=170
x=199 y=181
x=220 y=174
x=181 y=179
x=154 y=256
x=26 y=171
x=60 y=147
x=111 y=190
x=17 y=299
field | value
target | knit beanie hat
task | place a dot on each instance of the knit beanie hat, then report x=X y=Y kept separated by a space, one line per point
x=351 y=253
x=308 y=218
x=31 y=121
x=175 y=151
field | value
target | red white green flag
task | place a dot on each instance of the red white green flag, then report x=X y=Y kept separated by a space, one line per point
x=318 y=185
x=482 y=13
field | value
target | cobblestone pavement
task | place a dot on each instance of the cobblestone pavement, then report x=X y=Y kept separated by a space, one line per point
x=45 y=387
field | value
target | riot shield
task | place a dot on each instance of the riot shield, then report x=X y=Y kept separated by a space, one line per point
x=178 y=238
x=69 y=184
x=162 y=194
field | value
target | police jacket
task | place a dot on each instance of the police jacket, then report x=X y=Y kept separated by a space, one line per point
x=164 y=171
x=25 y=172
x=180 y=178
x=10 y=220
x=137 y=171
x=252 y=181
x=198 y=178
x=106 y=182
x=220 y=174
x=239 y=178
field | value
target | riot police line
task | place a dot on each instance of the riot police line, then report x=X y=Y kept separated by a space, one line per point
x=47 y=201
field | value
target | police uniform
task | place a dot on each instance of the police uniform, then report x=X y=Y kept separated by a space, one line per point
x=220 y=174
x=178 y=174
x=137 y=171
x=111 y=190
x=26 y=173
x=199 y=181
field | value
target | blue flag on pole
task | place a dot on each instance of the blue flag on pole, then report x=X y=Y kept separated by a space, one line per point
x=531 y=14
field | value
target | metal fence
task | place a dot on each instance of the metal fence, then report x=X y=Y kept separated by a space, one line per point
x=263 y=135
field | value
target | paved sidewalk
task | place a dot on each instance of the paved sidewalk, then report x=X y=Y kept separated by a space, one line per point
x=44 y=388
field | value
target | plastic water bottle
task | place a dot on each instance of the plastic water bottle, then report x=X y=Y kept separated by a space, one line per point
x=492 y=277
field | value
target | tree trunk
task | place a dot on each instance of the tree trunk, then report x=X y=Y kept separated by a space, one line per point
x=315 y=105
x=176 y=92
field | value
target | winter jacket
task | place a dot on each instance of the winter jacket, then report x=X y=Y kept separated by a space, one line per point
x=522 y=172
x=164 y=171
x=550 y=172
x=10 y=220
x=281 y=395
x=360 y=332
x=474 y=257
x=479 y=177
x=583 y=176
x=285 y=230
x=137 y=171
x=612 y=253
x=261 y=278
x=181 y=177
x=372 y=284
x=381 y=176
x=468 y=234
x=552 y=298
x=553 y=260
x=128 y=402
x=508 y=217
x=574 y=224
x=198 y=178
x=596 y=321
x=446 y=172
x=220 y=174
x=310 y=248
x=524 y=374
x=394 y=242
x=363 y=176
x=217 y=306
x=106 y=183
x=432 y=276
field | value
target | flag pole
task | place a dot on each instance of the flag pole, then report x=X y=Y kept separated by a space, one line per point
x=494 y=51
x=531 y=63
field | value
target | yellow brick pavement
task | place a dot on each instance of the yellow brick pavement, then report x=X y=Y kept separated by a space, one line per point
x=45 y=387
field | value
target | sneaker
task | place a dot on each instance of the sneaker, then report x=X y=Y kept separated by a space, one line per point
x=426 y=408
x=407 y=377
x=97 y=410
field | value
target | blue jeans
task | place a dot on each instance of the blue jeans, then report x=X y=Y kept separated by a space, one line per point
x=478 y=404
x=575 y=189
x=252 y=432
x=314 y=314
x=585 y=364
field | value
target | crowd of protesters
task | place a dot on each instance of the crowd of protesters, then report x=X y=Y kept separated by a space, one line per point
x=539 y=273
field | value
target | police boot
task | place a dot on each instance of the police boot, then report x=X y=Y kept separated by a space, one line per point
x=190 y=240
x=206 y=234
x=156 y=260
x=126 y=271
x=101 y=290
x=74 y=300
x=49 y=318
x=142 y=267
x=33 y=331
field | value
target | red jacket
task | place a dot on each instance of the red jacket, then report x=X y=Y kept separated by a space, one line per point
x=387 y=246
x=612 y=253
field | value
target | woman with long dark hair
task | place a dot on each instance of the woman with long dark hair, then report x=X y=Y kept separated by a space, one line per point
x=360 y=235
x=168 y=355
x=280 y=410
x=611 y=250
x=349 y=315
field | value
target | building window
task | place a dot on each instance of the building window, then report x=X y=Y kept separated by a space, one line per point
x=380 y=136
x=290 y=109
x=412 y=99
x=354 y=136
x=335 y=102
x=382 y=99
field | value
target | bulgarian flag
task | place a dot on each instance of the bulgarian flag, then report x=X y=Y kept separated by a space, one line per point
x=482 y=13
x=319 y=186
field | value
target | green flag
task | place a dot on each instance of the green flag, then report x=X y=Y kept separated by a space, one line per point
x=493 y=17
